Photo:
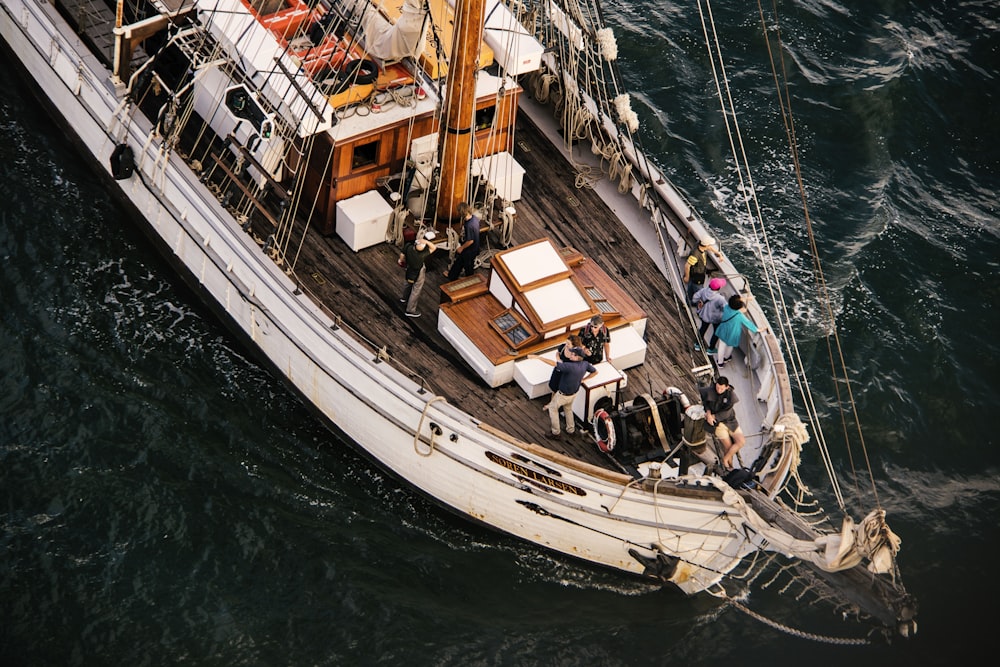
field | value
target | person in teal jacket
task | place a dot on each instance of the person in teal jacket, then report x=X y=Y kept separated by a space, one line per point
x=730 y=329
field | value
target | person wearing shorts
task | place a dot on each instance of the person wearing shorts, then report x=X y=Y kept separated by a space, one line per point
x=719 y=400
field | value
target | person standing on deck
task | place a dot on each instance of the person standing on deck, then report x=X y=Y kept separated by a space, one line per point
x=696 y=266
x=466 y=254
x=730 y=328
x=572 y=374
x=563 y=354
x=719 y=401
x=596 y=340
x=416 y=255
x=710 y=305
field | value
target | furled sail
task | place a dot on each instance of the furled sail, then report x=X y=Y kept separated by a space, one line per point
x=832 y=552
x=394 y=41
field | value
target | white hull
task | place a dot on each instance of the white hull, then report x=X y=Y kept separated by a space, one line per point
x=449 y=455
x=372 y=403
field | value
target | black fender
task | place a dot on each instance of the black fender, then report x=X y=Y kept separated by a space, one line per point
x=122 y=162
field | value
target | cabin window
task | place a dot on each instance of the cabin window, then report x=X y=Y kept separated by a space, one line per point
x=484 y=117
x=365 y=155
x=600 y=301
x=512 y=326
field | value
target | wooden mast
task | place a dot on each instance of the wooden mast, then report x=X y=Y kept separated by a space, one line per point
x=459 y=108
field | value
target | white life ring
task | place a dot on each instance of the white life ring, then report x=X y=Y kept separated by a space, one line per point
x=604 y=431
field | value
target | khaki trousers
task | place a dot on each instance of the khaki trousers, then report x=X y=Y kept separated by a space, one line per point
x=564 y=401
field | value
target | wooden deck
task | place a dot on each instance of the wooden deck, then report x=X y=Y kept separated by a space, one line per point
x=364 y=288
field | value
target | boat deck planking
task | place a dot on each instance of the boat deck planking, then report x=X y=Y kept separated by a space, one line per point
x=364 y=287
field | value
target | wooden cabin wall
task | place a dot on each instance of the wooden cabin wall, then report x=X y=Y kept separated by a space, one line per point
x=501 y=136
x=344 y=180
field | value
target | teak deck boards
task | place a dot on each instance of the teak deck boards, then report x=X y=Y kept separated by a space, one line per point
x=363 y=288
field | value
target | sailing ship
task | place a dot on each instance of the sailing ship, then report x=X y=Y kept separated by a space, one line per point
x=280 y=153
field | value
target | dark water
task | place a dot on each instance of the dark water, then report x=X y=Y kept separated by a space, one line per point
x=165 y=500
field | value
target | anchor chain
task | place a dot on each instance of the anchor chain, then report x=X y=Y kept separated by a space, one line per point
x=842 y=641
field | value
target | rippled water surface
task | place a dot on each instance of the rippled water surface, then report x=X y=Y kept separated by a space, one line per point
x=167 y=500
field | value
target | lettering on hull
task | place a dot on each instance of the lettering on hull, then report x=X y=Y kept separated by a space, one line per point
x=535 y=476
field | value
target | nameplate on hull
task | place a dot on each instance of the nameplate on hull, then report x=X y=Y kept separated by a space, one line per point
x=534 y=475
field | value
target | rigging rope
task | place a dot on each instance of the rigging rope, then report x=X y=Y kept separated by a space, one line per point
x=786 y=114
x=762 y=244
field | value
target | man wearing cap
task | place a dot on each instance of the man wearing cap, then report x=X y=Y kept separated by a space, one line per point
x=416 y=254
x=719 y=401
x=596 y=340
x=710 y=304
x=572 y=374
x=466 y=253
x=696 y=266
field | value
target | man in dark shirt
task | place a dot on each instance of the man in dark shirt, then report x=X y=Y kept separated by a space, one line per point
x=466 y=254
x=572 y=375
x=720 y=415
x=415 y=254
x=596 y=340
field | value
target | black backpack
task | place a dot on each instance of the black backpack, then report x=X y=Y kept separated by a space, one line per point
x=739 y=478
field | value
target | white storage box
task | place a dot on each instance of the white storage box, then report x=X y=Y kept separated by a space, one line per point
x=628 y=349
x=513 y=47
x=532 y=375
x=363 y=221
x=503 y=172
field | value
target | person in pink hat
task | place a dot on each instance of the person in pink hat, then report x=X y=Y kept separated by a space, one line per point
x=710 y=304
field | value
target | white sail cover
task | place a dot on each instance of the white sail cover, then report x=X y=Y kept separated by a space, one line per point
x=391 y=42
x=516 y=51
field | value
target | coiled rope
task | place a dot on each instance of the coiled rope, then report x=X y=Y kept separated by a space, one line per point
x=420 y=427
